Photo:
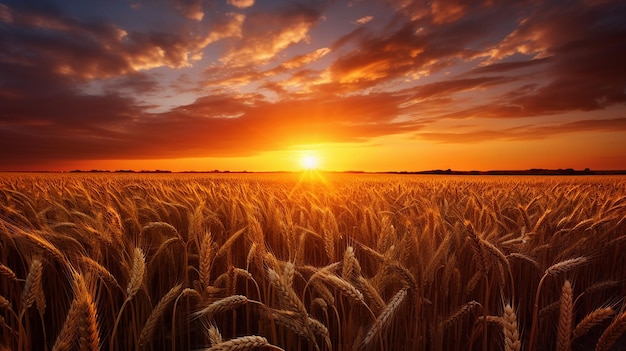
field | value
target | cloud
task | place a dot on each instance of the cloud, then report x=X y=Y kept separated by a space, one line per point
x=218 y=125
x=527 y=132
x=404 y=53
x=439 y=12
x=229 y=27
x=191 y=9
x=92 y=50
x=137 y=83
x=452 y=86
x=574 y=61
x=448 y=11
x=509 y=66
x=242 y=4
x=267 y=34
x=301 y=60
x=364 y=19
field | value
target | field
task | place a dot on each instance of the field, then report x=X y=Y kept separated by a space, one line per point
x=269 y=262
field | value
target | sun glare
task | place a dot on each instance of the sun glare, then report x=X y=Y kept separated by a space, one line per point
x=309 y=162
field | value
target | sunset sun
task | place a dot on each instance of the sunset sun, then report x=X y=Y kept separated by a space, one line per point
x=309 y=162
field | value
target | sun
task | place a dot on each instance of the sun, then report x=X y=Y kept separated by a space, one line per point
x=309 y=162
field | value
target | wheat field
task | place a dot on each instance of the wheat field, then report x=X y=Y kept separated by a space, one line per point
x=274 y=262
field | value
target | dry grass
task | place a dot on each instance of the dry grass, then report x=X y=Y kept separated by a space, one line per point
x=234 y=262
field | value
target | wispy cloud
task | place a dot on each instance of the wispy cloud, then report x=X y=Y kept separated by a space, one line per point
x=527 y=132
x=267 y=34
x=364 y=19
x=242 y=4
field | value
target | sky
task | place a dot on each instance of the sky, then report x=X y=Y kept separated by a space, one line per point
x=257 y=85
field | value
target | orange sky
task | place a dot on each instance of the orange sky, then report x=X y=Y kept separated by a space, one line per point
x=374 y=85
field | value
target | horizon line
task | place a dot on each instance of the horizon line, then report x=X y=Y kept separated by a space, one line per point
x=530 y=171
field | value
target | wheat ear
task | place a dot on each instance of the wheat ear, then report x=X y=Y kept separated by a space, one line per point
x=32 y=293
x=88 y=334
x=555 y=269
x=137 y=273
x=7 y=272
x=215 y=337
x=351 y=269
x=68 y=332
x=205 y=260
x=296 y=323
x=464 y=310
x=32 y=286
x=509 y=327
x=137 y=276
x=564 y=332
x=345 y=287
x=565 y=266
x=243 y=343
x=157 y=313
x=81 y=321
x=591 y=320
x=4 y=303
x=385 y=318
x=221 y=306
x=102 y=272
x=612 y=333
x=287 y=297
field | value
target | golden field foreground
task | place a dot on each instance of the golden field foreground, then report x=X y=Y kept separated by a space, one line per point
x=237 y=262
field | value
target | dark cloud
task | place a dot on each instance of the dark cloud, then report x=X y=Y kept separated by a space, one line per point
x=582 y=49
x=416 y=43
x=79 y=50
x=509 y=66
x=110 y=127
x=138 y=83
